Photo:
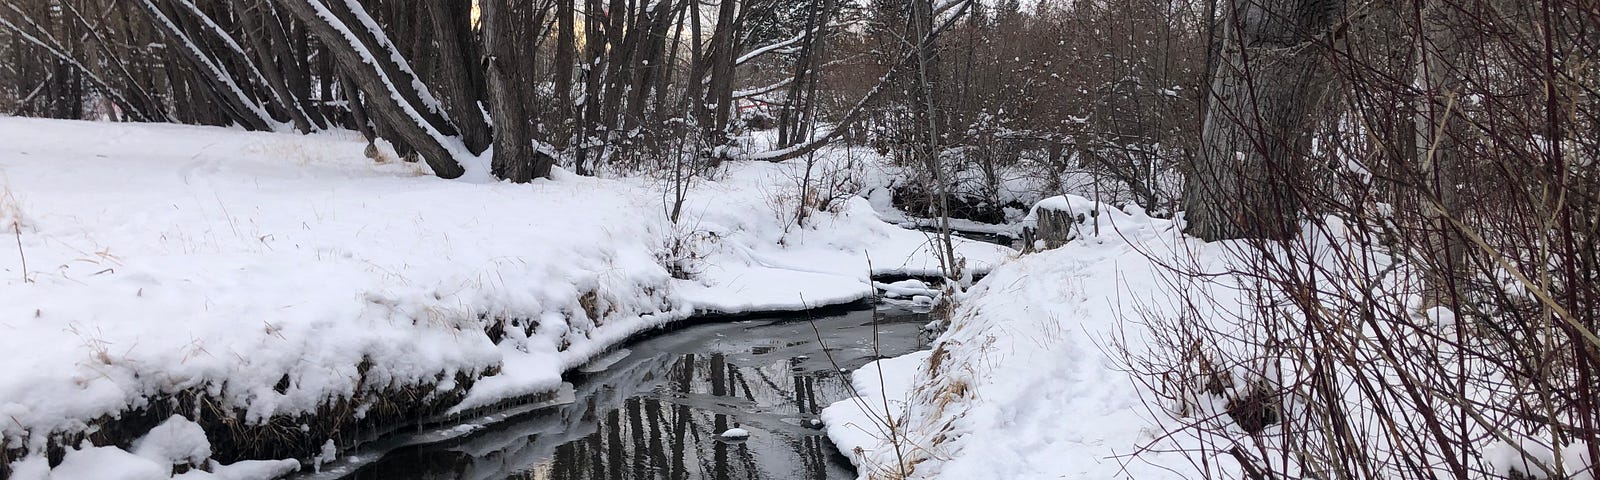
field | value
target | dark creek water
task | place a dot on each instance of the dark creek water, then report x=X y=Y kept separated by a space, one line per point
x=655 y=412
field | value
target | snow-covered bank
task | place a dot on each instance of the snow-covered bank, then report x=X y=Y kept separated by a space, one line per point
x=285 y=283
x=1132 y=351
x=1020 y=385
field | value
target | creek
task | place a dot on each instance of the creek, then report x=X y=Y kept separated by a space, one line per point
x=654 y=409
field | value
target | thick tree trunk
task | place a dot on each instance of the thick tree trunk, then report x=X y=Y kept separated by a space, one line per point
x=291 y=61
x=1271 y=74
x=789 y=124
x=653 y=27
x=358 y=112
x=663 y=80
x=722 y=56
x=618 y=69
x=694 y=105
x=515 y=158
x=566 y=51
x=590 y=121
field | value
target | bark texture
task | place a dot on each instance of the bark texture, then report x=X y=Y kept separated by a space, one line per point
x=1271 y=74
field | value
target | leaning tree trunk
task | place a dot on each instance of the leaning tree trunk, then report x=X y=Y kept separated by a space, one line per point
x=241 y=107
x=1270 y=76
x=395 y=99
x=269 y=69
x=459 y=82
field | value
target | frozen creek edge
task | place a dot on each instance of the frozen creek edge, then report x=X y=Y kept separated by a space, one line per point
x=373 y=413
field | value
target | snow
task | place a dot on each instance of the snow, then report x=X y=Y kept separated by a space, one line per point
x=165 y=258
x=1029 y=379
x=906 y=288
x=604 y=362
x=328 y=454
x=112 y=463
x=174 y=442
x=1533 y=456
x=245 y=470
x=763 y=50
x=1019 y=386
x=735 y=434
x=102 y=462
x=857 y=425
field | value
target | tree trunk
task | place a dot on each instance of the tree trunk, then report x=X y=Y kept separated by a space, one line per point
x=241 y=107
x=594 y=47
x=269 y=68
x=393 y=95
x=720 y=93
x=291 y=62
x=515 y=159
x=566 y=50
x=1271 y=74
x=458 y=81
x=1440 y=130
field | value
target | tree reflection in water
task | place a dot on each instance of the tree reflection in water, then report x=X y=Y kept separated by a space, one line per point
x=656 y=413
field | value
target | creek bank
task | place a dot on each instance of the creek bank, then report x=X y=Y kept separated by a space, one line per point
x=283 y=291
x=392 y=416
x=445 y=425
x=1026 y=381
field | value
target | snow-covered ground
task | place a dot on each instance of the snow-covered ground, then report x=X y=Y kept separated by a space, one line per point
x=1083 y=362
x=1023 y=383
x=275 y=274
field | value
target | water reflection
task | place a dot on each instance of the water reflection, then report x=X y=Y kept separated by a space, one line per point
x=655 y=414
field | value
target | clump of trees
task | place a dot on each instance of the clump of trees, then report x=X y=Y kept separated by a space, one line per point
x=593 y=83
x=1067 y=96
x=1413 y=209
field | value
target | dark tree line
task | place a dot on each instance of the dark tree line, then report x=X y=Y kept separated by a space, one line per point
x=595 y=83
x=1415 y=204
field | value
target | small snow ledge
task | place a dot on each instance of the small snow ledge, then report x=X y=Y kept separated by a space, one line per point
x=859 y=426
